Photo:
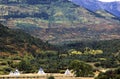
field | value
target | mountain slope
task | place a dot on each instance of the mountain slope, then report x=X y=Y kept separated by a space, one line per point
x=19 y=42
x=112 y=7
x=60 y=21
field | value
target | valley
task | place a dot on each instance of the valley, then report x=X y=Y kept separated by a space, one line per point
x=57 y=35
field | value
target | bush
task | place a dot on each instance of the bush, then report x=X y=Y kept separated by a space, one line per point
x=51 y=77
x=111 y=74
x=97 y=64
x=3 y=63
x=7 y=69
x=81 y=69
x=62 y=71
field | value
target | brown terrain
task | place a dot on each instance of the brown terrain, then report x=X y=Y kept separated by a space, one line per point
x=36 y=76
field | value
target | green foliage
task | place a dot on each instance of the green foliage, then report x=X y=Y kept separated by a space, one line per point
x=17 y=41
x=109 y=64
x=87 y=51
x=110 y=74
x=117 y=56
x=92 y=52
x=81 y=69
x=107 y=46
x=25 y=65
x=74 y=52
x=3 y=63
x=19 y=49
x=7 y=69
x=27 y=53
x=51 y=77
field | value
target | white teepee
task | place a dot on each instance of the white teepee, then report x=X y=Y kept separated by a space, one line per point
x=16 y=73
x=41 y=71
x=11 y=73
x=67 y=72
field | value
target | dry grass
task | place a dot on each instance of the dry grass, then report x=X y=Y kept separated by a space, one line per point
x=37 y=76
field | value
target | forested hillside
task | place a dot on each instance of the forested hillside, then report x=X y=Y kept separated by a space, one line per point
x=17 y=42
x=18 y=47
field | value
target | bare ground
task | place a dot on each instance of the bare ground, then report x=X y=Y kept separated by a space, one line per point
x=37 y=76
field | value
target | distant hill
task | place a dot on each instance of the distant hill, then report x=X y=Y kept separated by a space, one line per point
x=58 y=21
x=112 y=7
x=18 y=42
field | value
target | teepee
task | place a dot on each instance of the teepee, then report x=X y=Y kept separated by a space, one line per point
x=67 y=72
x=11 y=73
x=16 y=73
x=41 y=71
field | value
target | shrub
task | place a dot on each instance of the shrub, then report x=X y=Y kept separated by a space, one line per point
x=51 y=77
x=110 y=74
x=81 y=69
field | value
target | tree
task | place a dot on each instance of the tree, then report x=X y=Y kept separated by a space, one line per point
x=74 y=52
x=110 y=74
x=92 y=51
x=51 y=77
x=80 y=68
x=25 y=65
x=117 y=56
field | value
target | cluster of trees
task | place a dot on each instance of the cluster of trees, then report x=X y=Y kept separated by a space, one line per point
x=108 y=46
x=110 y=74
x=26 y=1
x=87 y=51
x=81 y=69
x=42 y=15
x=14 y=41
